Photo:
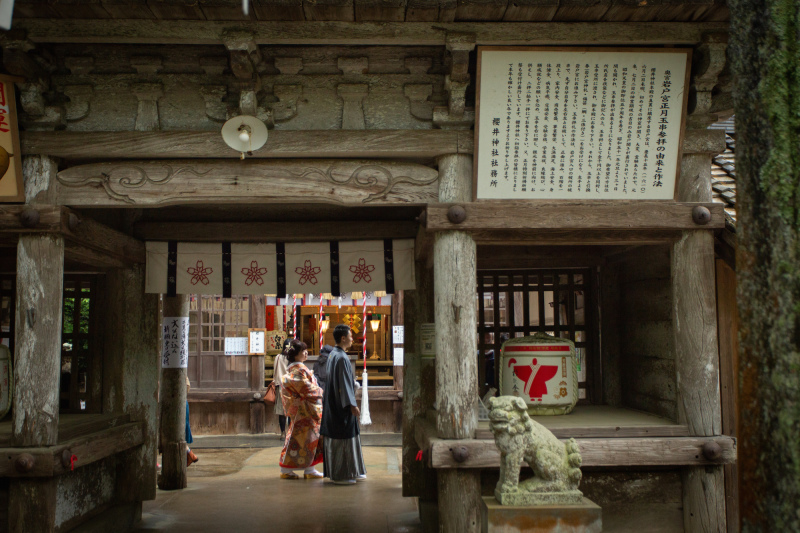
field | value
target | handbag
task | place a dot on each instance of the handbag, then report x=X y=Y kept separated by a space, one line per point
x=269 y=395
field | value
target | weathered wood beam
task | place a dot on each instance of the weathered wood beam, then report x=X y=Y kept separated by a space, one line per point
x=537 y=237
x=282 y=144
x=222 y=397
x=363 y=33
x=171 y=182
x=574 y=215
x=272 y=231
x=83 y=234
x=27 y=219
x=657 y=451
x=49 y=461
x=86 y=241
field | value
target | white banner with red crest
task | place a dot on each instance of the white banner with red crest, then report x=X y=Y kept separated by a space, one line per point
x=335 y=267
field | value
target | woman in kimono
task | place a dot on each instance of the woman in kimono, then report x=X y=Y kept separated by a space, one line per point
x=302 y=401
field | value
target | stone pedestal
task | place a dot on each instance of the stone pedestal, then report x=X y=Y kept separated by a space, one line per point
x=584 y=517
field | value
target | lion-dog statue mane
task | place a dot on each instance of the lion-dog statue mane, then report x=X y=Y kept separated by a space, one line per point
x=556 y=465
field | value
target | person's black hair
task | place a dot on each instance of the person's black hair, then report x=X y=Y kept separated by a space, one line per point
x=286 y=343
x=339 y=332
x=296 y=347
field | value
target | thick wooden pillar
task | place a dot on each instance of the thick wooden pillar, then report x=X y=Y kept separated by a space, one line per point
x=696 y=352
x=454 y=288
x=37 y=357
x=173 y=411
x=258 y=410
x=131 y=371
x=37 y=372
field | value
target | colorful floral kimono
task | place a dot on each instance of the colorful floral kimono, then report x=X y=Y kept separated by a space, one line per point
x=302 y=401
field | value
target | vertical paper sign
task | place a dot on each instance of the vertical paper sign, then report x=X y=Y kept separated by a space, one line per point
x=11 y=189
x=427 y=340
x=257 y=341
x=175 y=346
x=398 y=357
x=398 y=333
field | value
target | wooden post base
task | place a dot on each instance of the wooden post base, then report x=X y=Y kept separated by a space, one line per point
x=173 y=467
x=585 y=517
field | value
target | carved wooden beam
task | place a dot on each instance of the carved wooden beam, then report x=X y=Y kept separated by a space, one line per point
x=275 y=231
x=171 y=182
x=575 y=215
x=281 y=144
x=364 y=33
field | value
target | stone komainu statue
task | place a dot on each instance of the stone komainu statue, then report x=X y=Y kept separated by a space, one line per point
x=555 y=464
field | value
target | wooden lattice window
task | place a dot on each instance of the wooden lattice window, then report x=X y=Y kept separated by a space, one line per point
x=520 y=303
x=211 y=319
x=78 y=344
x=7 y=299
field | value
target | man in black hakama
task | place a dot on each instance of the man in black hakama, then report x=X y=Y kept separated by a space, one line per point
x=343 y=463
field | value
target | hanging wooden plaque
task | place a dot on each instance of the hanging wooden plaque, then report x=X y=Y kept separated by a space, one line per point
x=11 y=187
x=579 y=123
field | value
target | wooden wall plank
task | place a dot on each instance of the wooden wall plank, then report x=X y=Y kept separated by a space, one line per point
x=610 y=333
x=422 y=10
x=375 y=33
x=160 y=183
x=278 y=9
x=131 y=372
x=382 y=144
x=531 y=10
x=380 y=10
x=419 y=383
x=329 y=10
x=568 y=214
x=475 y=10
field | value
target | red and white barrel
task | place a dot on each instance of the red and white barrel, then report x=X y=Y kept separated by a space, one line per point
x=542 y=370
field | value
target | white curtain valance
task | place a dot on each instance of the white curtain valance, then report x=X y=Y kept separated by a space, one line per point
x=280 y=268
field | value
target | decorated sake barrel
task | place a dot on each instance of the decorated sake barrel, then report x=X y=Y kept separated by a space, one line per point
x=6 y=380
x=543 y=371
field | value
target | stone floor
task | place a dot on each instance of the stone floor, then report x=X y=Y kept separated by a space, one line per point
x=239 y=490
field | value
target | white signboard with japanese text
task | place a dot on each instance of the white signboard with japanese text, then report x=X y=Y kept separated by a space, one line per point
x=600 y=123
x=257 y=341
x=175 y=342
x=236 y=346
x=398 y=334
x=398 y=356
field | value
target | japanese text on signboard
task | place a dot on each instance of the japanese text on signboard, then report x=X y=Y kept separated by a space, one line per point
x=175 y=342
x=579 y=124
